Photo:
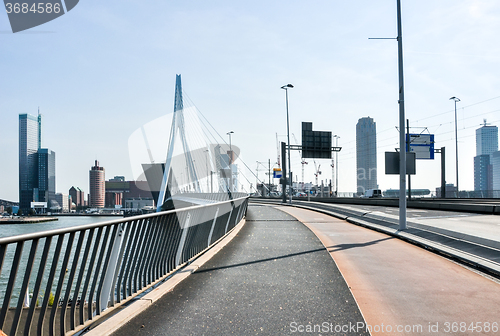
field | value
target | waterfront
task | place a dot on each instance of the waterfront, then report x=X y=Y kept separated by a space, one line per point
x=7 y=230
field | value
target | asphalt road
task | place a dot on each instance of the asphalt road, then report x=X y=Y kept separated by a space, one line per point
x=484 y=226
x=274 y=278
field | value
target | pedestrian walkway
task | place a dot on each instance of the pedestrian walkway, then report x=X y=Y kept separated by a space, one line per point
x=274 y=278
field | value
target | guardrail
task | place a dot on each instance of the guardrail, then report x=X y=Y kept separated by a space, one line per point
x=481 y=206
x=75 y=274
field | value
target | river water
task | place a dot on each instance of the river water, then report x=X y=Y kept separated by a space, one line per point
x=7 y=230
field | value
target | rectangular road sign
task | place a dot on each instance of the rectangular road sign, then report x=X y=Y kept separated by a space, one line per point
x=315 y=144
x=392 y=163
x=422 y=145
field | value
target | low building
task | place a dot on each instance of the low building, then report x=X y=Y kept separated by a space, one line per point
x=64 y=202
x=113 y=199
x=128 y=190
x=451 y=191
x=138 y=203
x=77 y=196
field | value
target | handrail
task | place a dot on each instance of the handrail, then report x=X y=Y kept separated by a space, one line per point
x=90 y=268
x=55 y=232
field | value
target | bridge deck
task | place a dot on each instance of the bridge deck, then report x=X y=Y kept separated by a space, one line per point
x=274 y=278
x=399 y=285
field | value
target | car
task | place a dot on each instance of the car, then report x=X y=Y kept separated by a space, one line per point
x=372 y=193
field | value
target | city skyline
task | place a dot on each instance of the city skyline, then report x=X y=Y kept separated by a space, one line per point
x=234 y=61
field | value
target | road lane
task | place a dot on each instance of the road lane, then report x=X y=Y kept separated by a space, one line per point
x=478 y=225
x=399 y=284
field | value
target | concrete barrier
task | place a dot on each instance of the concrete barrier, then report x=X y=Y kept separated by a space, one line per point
x=488 y=206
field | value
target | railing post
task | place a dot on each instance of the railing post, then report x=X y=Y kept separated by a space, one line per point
x=213 y=227
x=110 y=272
x=229 y=218
x=185 y=229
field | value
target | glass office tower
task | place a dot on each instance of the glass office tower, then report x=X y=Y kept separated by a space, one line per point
x=29 y=143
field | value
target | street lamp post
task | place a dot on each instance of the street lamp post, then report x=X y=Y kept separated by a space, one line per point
x=455 y=99
x=336 y=166
x=286 y=87
x=402 y=150
x=230 y=162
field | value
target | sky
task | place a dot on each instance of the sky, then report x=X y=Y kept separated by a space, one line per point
x=105 y=68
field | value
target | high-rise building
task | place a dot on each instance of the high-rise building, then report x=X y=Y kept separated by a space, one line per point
x=97 y=186
x=28 y=147
x=366 y=155
x=486 y=140
x=495 y=171
x=482 y=166
x=36 y=178
x=46 y=177
x=486 y=145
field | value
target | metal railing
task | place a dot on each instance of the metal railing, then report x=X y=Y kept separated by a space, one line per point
x=58 y=281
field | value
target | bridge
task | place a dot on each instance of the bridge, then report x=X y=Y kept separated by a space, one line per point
x=259 y=268
x=213 y=261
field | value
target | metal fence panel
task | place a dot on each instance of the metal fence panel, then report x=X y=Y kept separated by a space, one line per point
x=103 y=264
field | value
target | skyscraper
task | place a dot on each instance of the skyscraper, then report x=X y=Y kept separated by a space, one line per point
x=37 y=165
x=486 y=145
x=495 y=171
x=28 y=169
x=97 y=188
x=47 y=177
x=366 y=155
x=486 y=140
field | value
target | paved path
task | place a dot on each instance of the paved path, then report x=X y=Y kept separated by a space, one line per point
x=274 y=278
x=399 y=285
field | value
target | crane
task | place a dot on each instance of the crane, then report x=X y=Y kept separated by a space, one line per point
x=317 y=172
x=302 y=162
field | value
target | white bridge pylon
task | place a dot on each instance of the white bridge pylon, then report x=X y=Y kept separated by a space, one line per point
x=178 y=127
